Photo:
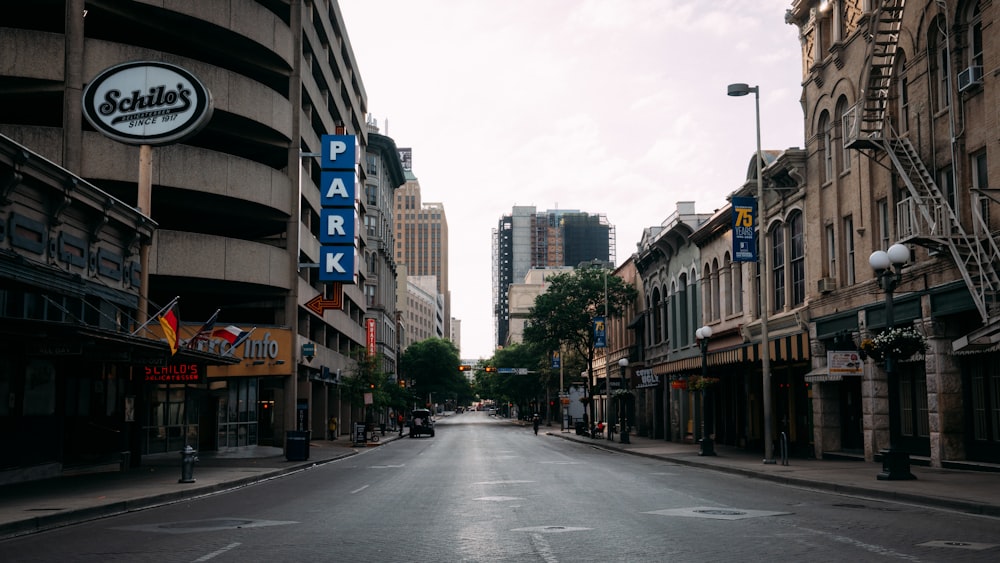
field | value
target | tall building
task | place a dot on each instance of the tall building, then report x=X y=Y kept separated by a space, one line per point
x=237 y=205
x=383 y=174
x=527 y=239
x=422 y=237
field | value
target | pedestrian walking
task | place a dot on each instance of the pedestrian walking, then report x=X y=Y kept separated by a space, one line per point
x=534 y=423
x=332 y=428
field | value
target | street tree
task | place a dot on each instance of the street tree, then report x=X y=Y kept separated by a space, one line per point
x=562 y=318
x=431 y=367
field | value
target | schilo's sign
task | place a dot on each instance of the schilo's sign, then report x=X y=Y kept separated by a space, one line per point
x=147 y=103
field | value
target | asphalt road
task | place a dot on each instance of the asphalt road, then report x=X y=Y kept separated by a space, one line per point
x=484 y=490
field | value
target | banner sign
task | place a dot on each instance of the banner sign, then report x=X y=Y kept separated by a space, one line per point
x=370 y=330
x=744 y=229
x=600 y=333
x=844 y=363
x=556 y=360
x=338 y=216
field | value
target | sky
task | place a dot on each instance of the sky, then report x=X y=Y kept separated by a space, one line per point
x=613 y=107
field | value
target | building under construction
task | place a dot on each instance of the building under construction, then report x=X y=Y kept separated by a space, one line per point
x=528 y=239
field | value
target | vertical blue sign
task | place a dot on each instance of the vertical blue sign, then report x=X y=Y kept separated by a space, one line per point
x=600 y=333
x=337 y=213
x=337 y=152
x=556 y=360
x=744 y=229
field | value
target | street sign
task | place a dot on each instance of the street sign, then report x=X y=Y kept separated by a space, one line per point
x=506 y=370
x=521 y=371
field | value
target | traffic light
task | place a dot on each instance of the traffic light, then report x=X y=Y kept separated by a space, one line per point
x=490 y=368
x=402 y=383
x=464 y=367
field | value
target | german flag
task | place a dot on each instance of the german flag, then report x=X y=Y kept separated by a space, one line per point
x=169 y=323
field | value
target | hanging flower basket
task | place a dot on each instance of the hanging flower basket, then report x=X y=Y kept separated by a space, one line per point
x=584 y=400
x=699 y=383
x=901 y=343
x=618 y=393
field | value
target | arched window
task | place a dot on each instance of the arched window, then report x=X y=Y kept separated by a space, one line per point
x=900 y=110
x=975 y=41
x=778 y=265
x=683 y=311
x=797 y=257
x=706 y=296
x=664 y=313
x=657 y=321
x=716 y=305
x=937 y=42
x=726 y=284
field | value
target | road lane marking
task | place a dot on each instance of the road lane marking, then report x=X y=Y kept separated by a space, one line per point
x=216 y=553
x=359 y=490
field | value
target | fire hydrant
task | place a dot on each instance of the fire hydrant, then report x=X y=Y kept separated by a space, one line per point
x=188 y=457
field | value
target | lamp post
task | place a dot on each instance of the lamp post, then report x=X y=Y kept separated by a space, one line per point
x=707 y=444
x=888 y=267
x=622 y=407
x=765 y=348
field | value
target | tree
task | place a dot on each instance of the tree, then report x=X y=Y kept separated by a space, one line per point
x=432 y=368
x=563 y=315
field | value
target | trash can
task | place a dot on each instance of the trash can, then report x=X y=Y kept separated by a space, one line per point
x=581 y=428
x=297 y=445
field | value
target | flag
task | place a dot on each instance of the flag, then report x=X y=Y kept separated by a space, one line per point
x=169 y=324
x=205 y=331
x=230 y=334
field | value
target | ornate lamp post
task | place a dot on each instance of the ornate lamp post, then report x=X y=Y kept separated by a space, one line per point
x=622 y=404
x=707 y=444
x=888 y=266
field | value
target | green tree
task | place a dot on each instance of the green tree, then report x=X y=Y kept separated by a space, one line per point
x=563 y=317
x=431 y=367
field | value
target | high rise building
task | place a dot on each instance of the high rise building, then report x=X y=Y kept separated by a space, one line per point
x=421 y=230
x=527 y=239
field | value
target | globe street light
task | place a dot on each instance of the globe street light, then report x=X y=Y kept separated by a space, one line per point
x=622 y=408
x=888 y=267
x=707 y=444
x=765 y=348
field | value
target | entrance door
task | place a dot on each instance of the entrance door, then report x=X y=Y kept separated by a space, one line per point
x=851 y=435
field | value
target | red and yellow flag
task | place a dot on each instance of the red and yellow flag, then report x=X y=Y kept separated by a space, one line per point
x=169 y=324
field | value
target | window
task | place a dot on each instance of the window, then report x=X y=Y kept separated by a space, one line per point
x=939 y=46
x=727 y=285
x=737 y=287
x=980 y=181
x=706 y=290
x=372 y=165
x=716 y=309
x=831 y=252
x=845 y=153
x=902 y=95
x=849 y=250
x=797 y=258
x=946 y=182
x=882 y=214
x=976 y=37
x=778 y=266
x=827 y=146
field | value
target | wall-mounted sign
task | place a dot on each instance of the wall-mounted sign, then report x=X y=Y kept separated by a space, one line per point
x=337 y=254
x=337 y=226
x=174 y=373
x=147 y=103
x=845 y=363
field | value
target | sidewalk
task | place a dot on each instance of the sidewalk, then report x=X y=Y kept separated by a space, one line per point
x=976 y=492
x=41 y=505
x=35 y=506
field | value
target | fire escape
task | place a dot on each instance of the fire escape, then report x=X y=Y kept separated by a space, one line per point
x=925 y=217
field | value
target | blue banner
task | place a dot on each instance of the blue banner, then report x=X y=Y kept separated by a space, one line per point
x=556 y=360
x=600 y=333
x=744 y=229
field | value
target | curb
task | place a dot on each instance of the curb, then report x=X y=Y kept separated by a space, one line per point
x=851 y=490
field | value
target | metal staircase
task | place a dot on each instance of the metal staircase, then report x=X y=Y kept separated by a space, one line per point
x=925 y=218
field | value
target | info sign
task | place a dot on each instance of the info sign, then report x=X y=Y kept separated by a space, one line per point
x=147 y=103
x=844 y=363
x=744 y=229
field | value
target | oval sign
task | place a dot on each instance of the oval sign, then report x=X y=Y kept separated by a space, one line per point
x=147 y=103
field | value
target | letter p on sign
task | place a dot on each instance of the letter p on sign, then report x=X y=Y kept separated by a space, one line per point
x=337 y=152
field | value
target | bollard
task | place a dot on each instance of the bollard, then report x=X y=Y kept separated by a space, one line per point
x=188 y=457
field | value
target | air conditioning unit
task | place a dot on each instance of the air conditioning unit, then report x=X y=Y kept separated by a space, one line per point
x=826 y=285
x=970 y=78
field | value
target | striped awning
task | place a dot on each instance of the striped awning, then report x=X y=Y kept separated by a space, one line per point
x=792 y=348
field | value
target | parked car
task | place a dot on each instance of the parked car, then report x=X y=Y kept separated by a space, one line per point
x=421 y=423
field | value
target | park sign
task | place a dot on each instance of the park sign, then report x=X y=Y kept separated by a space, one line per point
x=147 y=103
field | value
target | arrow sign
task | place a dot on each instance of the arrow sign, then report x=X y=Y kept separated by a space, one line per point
x=318 y=304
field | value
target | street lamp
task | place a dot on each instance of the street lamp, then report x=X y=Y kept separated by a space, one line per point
x=888 y=267
x=707 y=444
x=623 y=410
x=765 y=348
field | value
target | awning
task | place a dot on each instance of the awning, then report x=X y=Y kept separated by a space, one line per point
x=50 y=338
x=822 y=375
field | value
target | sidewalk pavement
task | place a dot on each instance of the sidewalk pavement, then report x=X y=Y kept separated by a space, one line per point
x=35 y=506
